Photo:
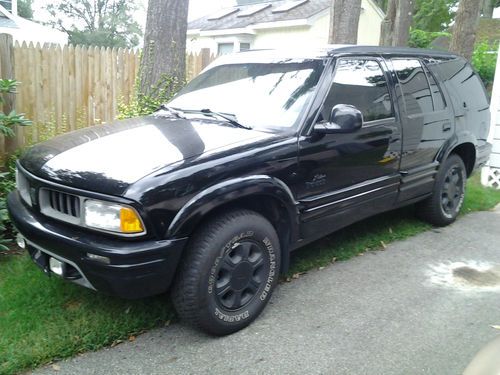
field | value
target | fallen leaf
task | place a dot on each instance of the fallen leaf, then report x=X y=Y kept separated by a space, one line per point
x=131 y=338
x=116 y=342
x=321 y=268
x=334 y=259
x=288 y=279
x=384 y=246
x=56 y=367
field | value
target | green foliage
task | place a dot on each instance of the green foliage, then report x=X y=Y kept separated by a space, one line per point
x=434 y=15
x=102 y=23
x=422 y=39
x=142 y=104
x=25 y=9
x=484 y=59
x=8 y=121
x=7 y=184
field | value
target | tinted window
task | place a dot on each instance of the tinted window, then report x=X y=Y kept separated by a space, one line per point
x=466 y=86
x=414 y=85
x=360 y=83
x=437 y=94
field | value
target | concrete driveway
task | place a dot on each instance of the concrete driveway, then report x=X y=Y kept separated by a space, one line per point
x=423 y=306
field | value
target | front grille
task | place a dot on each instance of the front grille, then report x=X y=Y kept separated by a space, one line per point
x=64 y=203
x=59 y=205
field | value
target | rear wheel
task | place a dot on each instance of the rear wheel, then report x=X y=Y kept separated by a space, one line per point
x=229 y=272
x=443 y=206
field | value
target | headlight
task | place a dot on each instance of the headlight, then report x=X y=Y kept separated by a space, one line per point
x=112 y=217
x=23 y=186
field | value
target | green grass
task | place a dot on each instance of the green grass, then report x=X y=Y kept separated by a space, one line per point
x=44 y=319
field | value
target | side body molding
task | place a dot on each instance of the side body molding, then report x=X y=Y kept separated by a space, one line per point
x=230 y=190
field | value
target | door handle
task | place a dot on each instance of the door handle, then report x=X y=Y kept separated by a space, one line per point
x=447 y=126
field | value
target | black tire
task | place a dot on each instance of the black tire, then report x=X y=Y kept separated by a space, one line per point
x=443 y=206
x=227 y=276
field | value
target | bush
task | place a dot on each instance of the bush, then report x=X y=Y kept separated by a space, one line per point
x=484 y=60
x=9 y=120
x=7 y=184
x=423 y=39
x=142 y=105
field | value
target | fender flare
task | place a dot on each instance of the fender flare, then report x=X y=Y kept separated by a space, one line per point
x=455 y=141
x=230 y=190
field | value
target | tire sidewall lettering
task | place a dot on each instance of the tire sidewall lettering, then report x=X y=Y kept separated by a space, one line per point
x=237 y=316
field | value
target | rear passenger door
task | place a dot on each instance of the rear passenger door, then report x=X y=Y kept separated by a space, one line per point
x=427 y=124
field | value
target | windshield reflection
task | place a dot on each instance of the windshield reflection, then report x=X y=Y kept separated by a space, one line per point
x=264 y=95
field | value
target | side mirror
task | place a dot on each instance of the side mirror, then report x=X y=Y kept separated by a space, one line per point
x=344 y=118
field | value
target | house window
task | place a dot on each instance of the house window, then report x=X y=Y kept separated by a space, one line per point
x=7 y=4
x=244 y=46
x=225 y=48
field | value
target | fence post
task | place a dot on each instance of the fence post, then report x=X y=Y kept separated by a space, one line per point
x=205 y=58
x=7 y=64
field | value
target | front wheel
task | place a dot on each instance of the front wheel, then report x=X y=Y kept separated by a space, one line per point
x=443 y=206
x=229 y=272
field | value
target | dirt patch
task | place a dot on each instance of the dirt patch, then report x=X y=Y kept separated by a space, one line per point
x=468 y=275
x=488 y=278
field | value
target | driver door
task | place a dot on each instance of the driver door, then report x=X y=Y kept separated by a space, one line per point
x=348 y=176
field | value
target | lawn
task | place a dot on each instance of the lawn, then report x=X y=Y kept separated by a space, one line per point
x=45 y=319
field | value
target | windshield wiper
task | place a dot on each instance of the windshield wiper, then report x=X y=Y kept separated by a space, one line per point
x=171 y=110
x=226 y=116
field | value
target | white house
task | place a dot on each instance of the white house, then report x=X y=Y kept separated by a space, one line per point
x=490 y=175
x=24 y=30
x=275 y=24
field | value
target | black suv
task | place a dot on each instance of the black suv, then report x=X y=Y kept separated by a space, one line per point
x=262 y=153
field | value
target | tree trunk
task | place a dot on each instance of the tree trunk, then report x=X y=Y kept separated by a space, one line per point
x=395 y=28
x=164 y=53
x=464 y=30
x=344 y=21
x=387 y=25
x=402 y=23
x=487 y=9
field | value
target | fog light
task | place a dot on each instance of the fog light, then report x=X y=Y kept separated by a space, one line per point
x=21 y=242
x=56 y=266
x=98 y=258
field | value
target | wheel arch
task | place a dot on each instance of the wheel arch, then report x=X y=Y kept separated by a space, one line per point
x=466 y=151
x=265 y=195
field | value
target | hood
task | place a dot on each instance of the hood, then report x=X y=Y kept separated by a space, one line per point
x=109 y=158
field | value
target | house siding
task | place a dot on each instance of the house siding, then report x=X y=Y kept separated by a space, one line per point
x=313 y=35
x=490 y=175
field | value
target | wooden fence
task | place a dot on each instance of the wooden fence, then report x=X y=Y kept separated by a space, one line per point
x=66 y=88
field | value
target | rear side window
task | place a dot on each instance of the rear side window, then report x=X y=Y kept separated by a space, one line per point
x=466 y=87
x=361 y=83
x=437 y=94
x=414 y=85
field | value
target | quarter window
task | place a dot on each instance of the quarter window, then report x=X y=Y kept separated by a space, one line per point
x=414 y=85
x=361 y=83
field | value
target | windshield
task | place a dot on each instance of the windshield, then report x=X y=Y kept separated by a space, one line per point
x=259 y=95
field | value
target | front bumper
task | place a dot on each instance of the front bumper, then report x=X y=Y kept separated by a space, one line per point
x=137 y=268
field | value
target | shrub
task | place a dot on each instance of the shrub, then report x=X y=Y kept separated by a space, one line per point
x=142 y=105
x=423 y=39
x=9 y=120
x=484 y=59
x=7 y=184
